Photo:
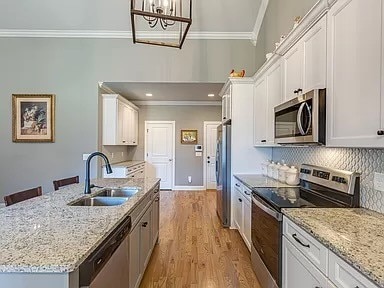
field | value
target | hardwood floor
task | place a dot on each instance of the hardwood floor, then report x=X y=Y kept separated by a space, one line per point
x=194 y=250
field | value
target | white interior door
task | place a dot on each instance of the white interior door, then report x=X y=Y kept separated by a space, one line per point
x=159 y=144
x=210 y=136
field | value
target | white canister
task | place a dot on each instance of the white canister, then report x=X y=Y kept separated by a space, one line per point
x=292 y=176
x=264 y=168
x=282 y=173
x=275 y=172
x=270 y=169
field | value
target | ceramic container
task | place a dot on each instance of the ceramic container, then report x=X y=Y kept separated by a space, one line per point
x=270 y=169
x=264 y=168
x=292 y=176
x=275 y=172
x=282 y=173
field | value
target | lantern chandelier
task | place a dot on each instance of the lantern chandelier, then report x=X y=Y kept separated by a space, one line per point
x=169 y=26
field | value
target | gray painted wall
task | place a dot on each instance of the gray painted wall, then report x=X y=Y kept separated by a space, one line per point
x=278 y=20
x=186 y=117
x=71 y=69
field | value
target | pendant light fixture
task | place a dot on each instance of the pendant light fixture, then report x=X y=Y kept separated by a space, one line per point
x=161 y=22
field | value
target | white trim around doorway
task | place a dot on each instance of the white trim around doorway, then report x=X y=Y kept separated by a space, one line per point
x=205 y=150
x=173 y=149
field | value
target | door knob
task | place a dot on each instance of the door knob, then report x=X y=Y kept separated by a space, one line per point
x=170 y=160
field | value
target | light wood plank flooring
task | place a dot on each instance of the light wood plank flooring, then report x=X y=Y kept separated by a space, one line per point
x=194 y=250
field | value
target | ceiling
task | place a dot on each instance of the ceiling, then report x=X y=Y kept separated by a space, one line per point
x=166 y=91
x=113 y=15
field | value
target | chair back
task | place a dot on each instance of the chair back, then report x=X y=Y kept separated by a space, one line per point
x=22 y=196
x=63 y=182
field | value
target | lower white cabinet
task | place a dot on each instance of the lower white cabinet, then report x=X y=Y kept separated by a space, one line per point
x=143 y=236
x=302 y=263
x=298 y=271
x=242 y=212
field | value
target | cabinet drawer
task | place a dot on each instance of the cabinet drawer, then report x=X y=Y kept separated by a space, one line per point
x=140 y=209
x=245 y=191
x=343 y=275
x=316 y=252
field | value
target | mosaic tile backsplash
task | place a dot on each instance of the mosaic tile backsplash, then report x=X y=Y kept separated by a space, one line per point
x=365 y=161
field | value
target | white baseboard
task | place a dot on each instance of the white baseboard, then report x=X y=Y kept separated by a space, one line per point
x=189 y=188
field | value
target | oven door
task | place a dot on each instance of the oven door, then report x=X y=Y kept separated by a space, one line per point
x=266 y=241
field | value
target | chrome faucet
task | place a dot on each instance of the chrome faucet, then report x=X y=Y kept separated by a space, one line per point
x=87 y=188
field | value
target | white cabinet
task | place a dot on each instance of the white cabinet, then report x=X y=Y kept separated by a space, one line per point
x=344 y=276
x=226 y=108
x=293 y=71
x=260 y=113
x=134 y=171
x=308 y=263
x=120 y=121
x=315 y=56
x=238 y=213
x=298 y=271
x=354 y=97
x=242 y=213
x=305 y=62
x=143 y=236
x=267 y=95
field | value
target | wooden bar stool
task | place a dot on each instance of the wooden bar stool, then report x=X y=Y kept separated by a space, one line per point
x=63 y=182
x=22 y=195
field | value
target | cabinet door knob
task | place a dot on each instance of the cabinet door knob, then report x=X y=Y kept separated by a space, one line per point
x=380 y=132
x=224 y=118
x=208 y=162
x=299 y=90
x=296 y=91
x=144 y=224
x=240 y=200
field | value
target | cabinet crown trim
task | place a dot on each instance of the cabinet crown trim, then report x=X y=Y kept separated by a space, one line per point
x=235 y=80
x=120 y=98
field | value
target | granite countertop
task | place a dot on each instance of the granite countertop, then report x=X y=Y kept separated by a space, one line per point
x=128 y=163
x=45 y=235
x=259 y=181
x=356 y=235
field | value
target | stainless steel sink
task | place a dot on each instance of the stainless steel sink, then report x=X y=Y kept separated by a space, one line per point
x=99 y=201
x=118 y=192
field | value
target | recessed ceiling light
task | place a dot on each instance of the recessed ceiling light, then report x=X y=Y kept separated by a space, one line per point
x=211 y=95
x=148 y=94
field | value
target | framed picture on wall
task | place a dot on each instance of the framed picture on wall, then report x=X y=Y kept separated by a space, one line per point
x=33 y=118
x=188 y=136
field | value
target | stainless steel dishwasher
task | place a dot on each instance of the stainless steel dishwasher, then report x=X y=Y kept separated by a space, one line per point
x=108 y=265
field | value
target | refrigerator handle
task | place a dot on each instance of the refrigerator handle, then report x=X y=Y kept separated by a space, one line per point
x=217 y=162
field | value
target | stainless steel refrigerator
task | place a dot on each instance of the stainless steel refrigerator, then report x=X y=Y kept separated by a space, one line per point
x=223 y=173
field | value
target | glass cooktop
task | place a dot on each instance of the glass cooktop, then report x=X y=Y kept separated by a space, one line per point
x=292 y=197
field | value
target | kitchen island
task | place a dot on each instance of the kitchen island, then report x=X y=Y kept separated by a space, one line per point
x=44 y=241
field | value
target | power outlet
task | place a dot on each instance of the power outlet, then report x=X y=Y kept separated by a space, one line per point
x=112 y=155
x=189 y=179
x=378 y=182
x=122 y=154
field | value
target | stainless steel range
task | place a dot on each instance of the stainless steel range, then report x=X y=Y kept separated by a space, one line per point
x=319 y=187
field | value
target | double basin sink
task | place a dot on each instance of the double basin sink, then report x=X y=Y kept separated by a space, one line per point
x=107 y=197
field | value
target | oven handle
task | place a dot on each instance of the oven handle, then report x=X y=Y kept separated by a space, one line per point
x=277 y=215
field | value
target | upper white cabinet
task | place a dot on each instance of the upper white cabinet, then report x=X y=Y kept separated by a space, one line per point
x=120 y=121
x=305 y=62
x=293 y=71
x=354 y=97
x=267 y=95
x=226 y=108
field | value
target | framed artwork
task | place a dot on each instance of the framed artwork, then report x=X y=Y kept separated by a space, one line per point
x=188 y=136
x=33 y=118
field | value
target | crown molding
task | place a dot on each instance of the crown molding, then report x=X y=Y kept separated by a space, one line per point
x=235 y=80
x=259 y=21
x=26 y=33
x=177 y=103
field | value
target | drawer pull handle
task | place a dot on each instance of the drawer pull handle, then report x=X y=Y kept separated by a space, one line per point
x=298 y=240
x=237 y=185
x=247 y=193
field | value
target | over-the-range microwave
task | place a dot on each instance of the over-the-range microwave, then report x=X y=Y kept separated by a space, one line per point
x=302 y=120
